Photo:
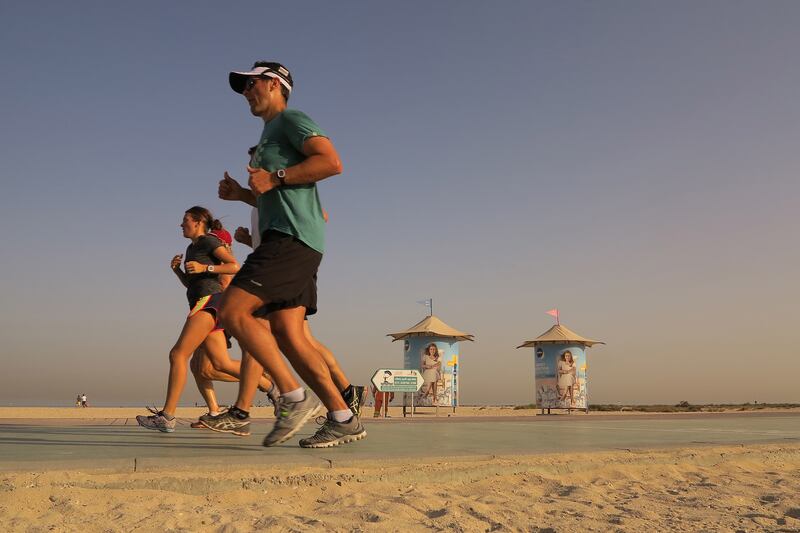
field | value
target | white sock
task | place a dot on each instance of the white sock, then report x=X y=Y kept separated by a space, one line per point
x=297 y=395
x=213 y=413
x=341 y=416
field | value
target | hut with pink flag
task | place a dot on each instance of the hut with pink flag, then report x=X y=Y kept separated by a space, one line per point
x=560 y=368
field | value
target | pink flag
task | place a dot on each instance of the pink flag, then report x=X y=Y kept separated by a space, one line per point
x=554 y=313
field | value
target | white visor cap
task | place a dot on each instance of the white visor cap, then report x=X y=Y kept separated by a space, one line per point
x=237 y=80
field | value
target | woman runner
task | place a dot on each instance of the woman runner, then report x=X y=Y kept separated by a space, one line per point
x=206 y=259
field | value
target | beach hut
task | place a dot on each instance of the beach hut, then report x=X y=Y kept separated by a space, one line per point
x=560 y=369
x=431 y=346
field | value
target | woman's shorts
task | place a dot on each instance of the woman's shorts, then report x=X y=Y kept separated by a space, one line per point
x=210 y=304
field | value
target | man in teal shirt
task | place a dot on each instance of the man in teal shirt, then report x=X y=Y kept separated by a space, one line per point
x=292 y=155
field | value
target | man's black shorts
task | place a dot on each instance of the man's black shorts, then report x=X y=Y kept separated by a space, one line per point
x=282 y=272
x=308 y=299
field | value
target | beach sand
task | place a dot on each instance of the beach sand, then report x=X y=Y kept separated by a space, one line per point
x=699 y=488
x=751 y=488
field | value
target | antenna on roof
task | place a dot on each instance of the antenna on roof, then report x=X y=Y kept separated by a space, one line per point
x=427 y=303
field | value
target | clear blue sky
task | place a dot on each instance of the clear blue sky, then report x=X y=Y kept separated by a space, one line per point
x=633 y=163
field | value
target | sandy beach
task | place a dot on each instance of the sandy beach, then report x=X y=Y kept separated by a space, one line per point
x=750 y=488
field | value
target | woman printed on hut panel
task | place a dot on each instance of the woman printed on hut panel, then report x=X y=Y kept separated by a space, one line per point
x=431 y=365
x=567 y=377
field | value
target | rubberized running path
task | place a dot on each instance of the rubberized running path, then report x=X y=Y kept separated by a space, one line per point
x=121 y=444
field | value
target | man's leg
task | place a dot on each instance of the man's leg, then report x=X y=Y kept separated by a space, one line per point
x=251 y=374
x=341 y=425
x=353 y=396
x=207 y=371
x=296 y=407
x=252 y=378
x=217 y=353
x=338 y=377
x=287 y=325
x=204 y=385
x=237 y=315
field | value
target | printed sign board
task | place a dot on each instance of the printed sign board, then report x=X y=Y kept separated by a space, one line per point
x=397 y=380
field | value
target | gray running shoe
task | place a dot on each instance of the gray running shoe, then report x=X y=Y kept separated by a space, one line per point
x=333 y=433
x=272 y=393
x=157 y=421
x=274 y=398
x=226 y=422
x=354 y=397
x=291 y=417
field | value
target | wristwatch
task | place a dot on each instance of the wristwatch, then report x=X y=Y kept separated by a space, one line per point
x=281 y=175
x=210 y=268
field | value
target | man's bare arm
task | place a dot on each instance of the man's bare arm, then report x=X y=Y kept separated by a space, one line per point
x=229 y=189
x=322 y=161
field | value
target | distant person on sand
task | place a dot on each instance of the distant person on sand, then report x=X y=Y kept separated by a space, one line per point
x=84 y=402
x=381 y=399
x=567 y=377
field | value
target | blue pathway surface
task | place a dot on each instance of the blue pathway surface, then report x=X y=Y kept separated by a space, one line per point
x=120 y=443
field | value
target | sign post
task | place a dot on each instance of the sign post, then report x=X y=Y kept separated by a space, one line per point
x=454 y=363
x=398 y=380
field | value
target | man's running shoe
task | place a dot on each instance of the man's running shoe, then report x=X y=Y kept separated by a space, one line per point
x=157 y=421
x=291 y=417
x=274 y=397
x=227 y=422
x=198 y=424
x=354 y=397
x=333 y=433
x=273 y=394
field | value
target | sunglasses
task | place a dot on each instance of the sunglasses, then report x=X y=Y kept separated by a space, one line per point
x=251 y=82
